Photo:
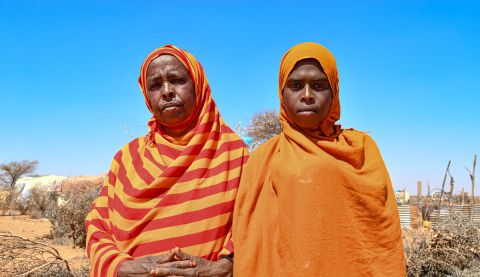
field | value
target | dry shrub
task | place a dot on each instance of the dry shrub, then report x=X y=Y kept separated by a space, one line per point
x=451 y=249
x=263 y=126
x=9 y=197
x=23 y=257
x=68 y=217
x=82 y=271
x=23 y=205
x=9 y=175
x=41 y=201
x=37 y=203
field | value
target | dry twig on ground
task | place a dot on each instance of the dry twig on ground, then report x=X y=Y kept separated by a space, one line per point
x=23 y=257
x=451 y=249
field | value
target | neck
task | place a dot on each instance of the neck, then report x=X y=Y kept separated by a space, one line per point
x=175 y=133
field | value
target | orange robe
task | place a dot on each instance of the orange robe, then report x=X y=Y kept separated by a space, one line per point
x=319 y=203
x=163 y=192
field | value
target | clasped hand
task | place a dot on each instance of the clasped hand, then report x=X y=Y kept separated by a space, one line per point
x=175 y=263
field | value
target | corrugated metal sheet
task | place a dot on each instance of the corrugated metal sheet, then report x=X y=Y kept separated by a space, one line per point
x=444 y=213
x=404 y=212
x=463 y=209
x=476 y=214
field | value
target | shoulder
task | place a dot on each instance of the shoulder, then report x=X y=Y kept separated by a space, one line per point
x=139 y=142
x=266 y=149
x=260 y=156
x=125 y=150
x=357 y=136
x=360 y=140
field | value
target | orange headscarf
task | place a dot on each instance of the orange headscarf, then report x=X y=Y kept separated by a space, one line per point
x=319 y=203
x=327 y=129
x=162 y=192
x=204 y=106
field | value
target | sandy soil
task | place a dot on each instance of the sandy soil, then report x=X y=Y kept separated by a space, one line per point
x=37 y=229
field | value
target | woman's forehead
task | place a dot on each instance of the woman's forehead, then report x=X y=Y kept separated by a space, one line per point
x=311 y=66
x=166 y=63
x=166 y=60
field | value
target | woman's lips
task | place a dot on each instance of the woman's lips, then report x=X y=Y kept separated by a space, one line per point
x=170 y=107
x=307 y=110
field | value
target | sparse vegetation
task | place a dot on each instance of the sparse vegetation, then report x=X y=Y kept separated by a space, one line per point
x=24 y=257
x=12 y=171
x=9 y=175
x=262 y=126
x=450 y=249
x=68 y=217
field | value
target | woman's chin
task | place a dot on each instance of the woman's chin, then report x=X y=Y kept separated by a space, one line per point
x=172 y=119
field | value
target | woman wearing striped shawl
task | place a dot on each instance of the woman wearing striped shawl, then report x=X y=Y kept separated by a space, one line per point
x=173 y=188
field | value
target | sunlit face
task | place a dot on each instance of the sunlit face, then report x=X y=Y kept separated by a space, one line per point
x=170 y=90
x=307 y=94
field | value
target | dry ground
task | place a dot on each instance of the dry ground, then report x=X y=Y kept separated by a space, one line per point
x=38 y=229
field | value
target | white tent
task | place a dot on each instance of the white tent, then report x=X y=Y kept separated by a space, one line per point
x=47 y=183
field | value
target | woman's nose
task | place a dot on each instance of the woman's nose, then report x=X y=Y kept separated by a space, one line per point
x=307 y=96
x=167 y=91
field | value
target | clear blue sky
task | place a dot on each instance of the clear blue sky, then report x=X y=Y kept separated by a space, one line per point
x=409 y=74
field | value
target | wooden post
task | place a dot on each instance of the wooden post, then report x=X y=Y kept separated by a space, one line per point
x=462 y=195
x=450 y=199
x=441 y=192
x=419 y=192
x=472 y=176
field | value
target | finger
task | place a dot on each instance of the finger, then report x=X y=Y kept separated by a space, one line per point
x=179 y=264
x=170 y=271
x=165 y=257
x=181 y=255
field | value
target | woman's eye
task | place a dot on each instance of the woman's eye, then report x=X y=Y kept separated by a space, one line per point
x=155 y=86
x=178 y=81
x=295 y=86
x=319 y=86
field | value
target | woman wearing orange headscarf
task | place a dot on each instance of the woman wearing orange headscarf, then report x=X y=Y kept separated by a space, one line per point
x=316 y=200
x=173 y=188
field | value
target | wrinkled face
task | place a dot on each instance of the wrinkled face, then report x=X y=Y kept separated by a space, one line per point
x=170 y=90
x=307 y=94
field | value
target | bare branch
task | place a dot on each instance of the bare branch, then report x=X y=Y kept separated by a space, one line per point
x=25 y=257
x=263 y=126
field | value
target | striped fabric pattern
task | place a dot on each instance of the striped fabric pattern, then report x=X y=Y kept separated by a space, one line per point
x=165 y=192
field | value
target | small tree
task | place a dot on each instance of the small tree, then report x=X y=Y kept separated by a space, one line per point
x=263 y=126
x=9 y=175
x=12 y=171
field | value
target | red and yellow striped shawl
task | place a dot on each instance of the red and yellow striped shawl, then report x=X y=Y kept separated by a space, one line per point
x=163 y=192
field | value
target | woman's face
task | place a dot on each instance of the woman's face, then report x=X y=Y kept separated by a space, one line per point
x=307 y=94
x=170 y=90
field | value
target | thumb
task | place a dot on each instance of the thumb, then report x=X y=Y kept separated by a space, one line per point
x=181 y=255
x=166 y=257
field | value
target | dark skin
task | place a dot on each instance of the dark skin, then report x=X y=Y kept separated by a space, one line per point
x=171 y=93
x=307 y=94
x=175 y=263
x=204 y=267
x=162 y=265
